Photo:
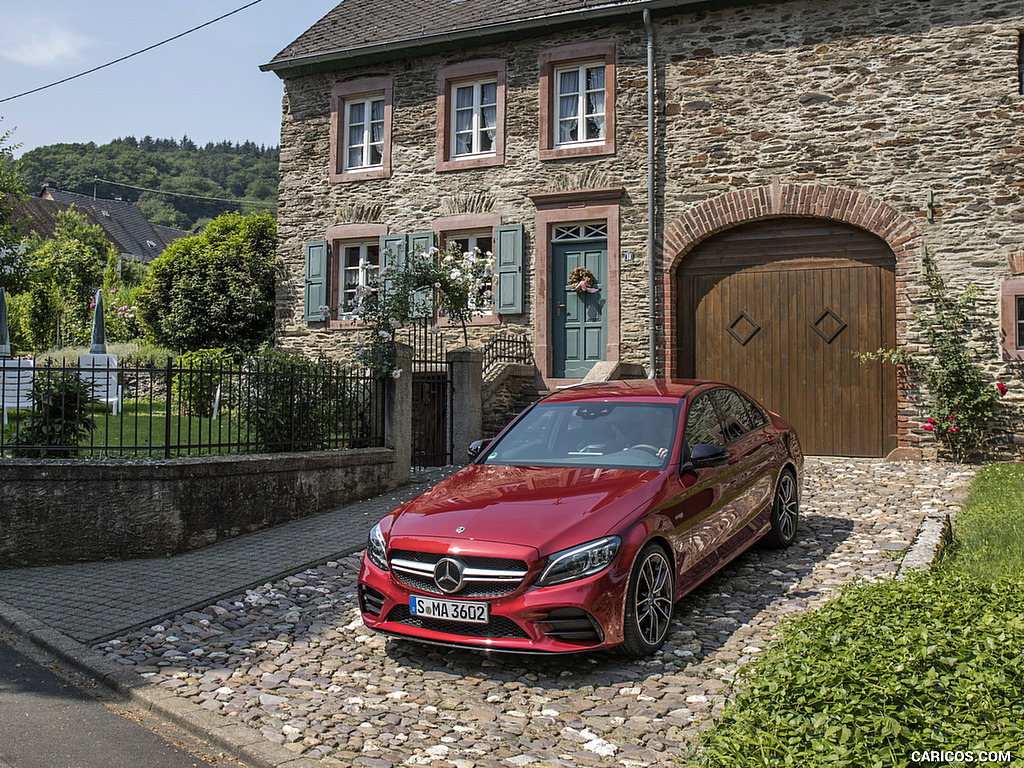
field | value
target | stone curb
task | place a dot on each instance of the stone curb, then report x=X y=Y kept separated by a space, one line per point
x=932 y=538
x=237 y=740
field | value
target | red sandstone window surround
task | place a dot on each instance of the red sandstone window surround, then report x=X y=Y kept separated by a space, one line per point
x=471 y=115
x=577 y=101
x=360 y=130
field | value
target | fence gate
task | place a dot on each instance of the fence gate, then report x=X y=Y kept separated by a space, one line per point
x=431 y=398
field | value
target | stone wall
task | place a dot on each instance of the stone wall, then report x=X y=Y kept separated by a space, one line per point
x=60 y=511
x=912 y=106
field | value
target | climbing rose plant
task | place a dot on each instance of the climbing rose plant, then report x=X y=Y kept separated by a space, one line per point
x=964 y=400
x=451 y=283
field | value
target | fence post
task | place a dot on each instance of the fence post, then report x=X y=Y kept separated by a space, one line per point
x=167 y=425
x=398 y=415
x=466 y=410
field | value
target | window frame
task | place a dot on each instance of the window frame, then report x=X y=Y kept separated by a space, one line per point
x=475 y=224
x=342 y=97
x=556 y=60
x=339 y=236
x=450 y=78
x=340 y=247
x=1011 y=319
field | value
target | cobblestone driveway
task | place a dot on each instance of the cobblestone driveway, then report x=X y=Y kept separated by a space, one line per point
x=293 y=660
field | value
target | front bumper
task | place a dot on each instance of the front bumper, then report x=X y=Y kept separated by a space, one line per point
x=582 y=615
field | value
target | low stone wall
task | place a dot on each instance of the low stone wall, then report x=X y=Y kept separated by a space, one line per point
x=61 y=511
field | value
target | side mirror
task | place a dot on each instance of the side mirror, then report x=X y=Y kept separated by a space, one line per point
x=476 y=448
x=703 y=455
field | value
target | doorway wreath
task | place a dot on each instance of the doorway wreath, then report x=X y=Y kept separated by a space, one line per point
x=582 y=280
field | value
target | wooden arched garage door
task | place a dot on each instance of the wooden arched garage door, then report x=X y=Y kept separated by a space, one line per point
x=782 y=308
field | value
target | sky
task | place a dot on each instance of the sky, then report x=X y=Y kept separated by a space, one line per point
x=206 y=85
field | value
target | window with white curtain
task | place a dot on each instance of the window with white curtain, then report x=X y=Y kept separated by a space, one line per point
x=364 y=133
x=358 y=265
x=474 y=118
x=580 y=96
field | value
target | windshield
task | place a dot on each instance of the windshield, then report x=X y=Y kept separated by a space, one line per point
x=590 y=434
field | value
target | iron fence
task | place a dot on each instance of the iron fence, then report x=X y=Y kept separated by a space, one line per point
x=431 y=396
x=503 y=349
x=141 y=412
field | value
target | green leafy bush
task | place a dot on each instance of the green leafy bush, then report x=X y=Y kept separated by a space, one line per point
x=195 y=389
x=291 y=402
x=881 y=671
x=215 y=289
x=60 y=417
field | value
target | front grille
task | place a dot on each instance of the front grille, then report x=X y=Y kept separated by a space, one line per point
x=483 y=577
x=370 y=600
x=572 y=625
x=498 y=627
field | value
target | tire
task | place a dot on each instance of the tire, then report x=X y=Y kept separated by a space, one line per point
x=649 y=601
x=785 y=512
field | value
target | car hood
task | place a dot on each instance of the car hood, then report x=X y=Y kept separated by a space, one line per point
x=546 y=508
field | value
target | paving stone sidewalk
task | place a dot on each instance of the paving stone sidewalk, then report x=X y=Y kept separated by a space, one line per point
x=94 y=601
x=292 y=661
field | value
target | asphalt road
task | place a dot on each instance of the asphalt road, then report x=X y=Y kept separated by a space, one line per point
x=48 y=721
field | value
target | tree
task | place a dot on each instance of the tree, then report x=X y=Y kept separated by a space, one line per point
x=12 y=192
x=215 y=289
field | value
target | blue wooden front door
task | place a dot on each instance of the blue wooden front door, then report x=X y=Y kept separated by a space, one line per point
x=580 y=329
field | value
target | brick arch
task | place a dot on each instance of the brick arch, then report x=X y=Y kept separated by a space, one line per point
x=776 y=200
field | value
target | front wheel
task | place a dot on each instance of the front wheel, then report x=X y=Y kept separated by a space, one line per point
x=649 y=602
x=785 y=512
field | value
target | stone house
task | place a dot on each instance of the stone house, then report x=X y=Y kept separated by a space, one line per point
x=753 y=186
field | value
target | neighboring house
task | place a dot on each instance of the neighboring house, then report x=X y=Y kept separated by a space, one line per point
x=805 y=155
x=125 y=225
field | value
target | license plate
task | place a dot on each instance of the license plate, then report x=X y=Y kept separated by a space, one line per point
x=449 y=610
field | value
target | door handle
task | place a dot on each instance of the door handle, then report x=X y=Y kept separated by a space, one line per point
x=560 y=308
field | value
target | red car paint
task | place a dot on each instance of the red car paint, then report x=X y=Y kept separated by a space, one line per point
x=513 y=516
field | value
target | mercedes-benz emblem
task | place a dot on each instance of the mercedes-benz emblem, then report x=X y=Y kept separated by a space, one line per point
x=461 y=529
x=448 y=575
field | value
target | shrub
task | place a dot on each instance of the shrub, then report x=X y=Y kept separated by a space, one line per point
x=60 y=417
x=215 y=289
x=290 y=402
x=884 y=669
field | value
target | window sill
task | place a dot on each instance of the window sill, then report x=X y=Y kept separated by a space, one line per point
x=361 y=175
x=480 y=320
x=475 y=161
x=582 y=150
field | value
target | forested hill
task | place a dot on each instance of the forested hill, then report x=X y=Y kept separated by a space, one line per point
x=228 y=171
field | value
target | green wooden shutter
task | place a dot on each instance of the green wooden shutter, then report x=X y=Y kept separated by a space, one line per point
x=508 y=257
x=419 y=245
x=315 y=295
x=392 y=250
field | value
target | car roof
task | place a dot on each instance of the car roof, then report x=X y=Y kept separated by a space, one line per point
x=640 y=389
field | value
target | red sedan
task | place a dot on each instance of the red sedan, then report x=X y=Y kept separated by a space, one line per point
x=582 y=523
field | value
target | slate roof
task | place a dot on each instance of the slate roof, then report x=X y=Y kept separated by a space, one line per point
x=39 y=215
x=123 y=222
x=380 y=28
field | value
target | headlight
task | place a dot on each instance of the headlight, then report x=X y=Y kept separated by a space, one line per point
x=579 y=562
x=376 y=549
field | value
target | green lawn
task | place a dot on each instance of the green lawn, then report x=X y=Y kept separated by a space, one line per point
x=884 y=670
x=989 y=533
x=146 y=425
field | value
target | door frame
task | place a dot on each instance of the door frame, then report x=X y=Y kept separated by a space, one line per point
x=579 y=206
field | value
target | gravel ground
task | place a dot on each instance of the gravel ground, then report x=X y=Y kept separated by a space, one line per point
x=293 y=660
